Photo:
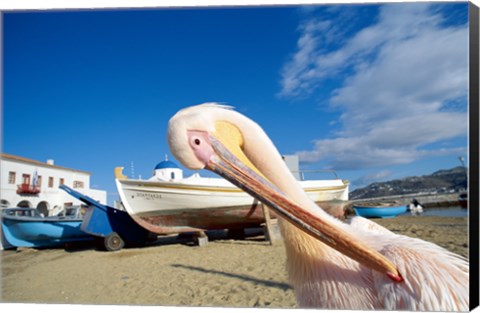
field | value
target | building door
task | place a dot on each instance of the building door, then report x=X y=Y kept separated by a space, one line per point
x=42 y=207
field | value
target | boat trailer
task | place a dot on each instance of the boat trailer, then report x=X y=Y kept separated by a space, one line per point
x=114 y=227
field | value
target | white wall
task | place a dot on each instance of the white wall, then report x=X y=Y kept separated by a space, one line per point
x=55 y=197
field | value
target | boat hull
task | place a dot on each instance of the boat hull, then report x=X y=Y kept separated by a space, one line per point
x=41 y=232
x=379 y=211
x=167 y=207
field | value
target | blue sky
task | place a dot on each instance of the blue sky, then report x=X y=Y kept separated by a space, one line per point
x=375 y=92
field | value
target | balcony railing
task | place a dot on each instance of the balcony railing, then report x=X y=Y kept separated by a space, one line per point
x=27 y=189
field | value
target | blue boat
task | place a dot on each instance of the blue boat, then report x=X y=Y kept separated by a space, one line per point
x=25 y=227
x=380 y=211
x=111 y=227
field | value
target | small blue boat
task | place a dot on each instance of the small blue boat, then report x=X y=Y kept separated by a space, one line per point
x=380 y=211
x=111 y=227
x=25 y=227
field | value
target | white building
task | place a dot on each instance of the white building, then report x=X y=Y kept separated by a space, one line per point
x=167 y=171
x=29 y=183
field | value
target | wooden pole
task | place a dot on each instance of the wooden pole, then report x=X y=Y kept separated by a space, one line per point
x=270 y=236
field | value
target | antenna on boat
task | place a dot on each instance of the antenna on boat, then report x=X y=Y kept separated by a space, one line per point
x=132 y=169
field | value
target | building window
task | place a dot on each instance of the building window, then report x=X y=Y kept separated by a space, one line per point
x=61 y=182
x=39 y=181
x=50 y=182
x=78 y=184
x=26 y=179
x=11 y=177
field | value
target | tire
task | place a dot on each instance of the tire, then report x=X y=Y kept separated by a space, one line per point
x=113 y=242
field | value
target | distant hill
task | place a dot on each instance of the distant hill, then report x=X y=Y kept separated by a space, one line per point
x=442 y=181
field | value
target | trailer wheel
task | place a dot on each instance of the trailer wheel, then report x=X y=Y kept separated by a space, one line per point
x=113 y=242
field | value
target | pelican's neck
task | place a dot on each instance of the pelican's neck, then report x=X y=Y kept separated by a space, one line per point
x=307 y=257
x=264 y=155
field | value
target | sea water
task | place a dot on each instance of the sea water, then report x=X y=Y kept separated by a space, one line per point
x=452 y=211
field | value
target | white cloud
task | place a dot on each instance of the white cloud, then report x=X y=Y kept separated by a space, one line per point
x=402 y=73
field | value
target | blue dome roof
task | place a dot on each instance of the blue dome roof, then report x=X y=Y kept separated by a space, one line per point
x=166 y=164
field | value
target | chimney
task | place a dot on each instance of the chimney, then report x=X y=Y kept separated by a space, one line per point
x=50 y=161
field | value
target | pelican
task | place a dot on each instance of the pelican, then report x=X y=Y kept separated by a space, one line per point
x=330 y=264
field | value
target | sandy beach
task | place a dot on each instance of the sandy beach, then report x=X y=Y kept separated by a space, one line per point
x=226 y=272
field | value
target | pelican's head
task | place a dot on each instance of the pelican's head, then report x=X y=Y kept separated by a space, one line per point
x=188 y=135
x=216 y=138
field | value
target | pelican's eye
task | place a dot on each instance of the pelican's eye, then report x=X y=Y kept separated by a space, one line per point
x=200 y=145
x=195 y=141
x=197 y=138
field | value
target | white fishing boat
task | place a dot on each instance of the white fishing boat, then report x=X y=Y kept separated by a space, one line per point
x=168 y=203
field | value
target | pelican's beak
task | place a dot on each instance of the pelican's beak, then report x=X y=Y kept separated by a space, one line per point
x=230 y=162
